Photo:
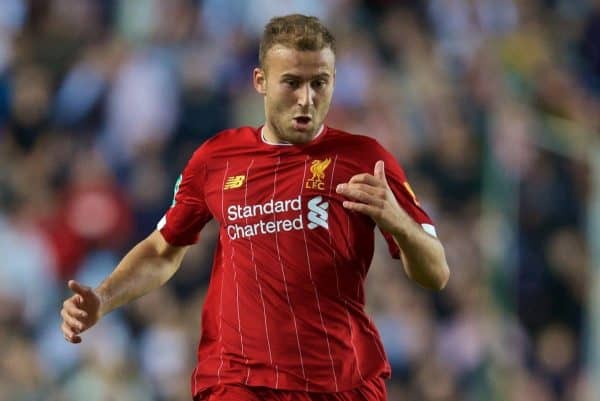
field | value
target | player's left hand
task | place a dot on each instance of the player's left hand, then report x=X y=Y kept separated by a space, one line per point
x=371 y=195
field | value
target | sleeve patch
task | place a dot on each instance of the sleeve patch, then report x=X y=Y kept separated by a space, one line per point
x=162 y=223
x=176 y=189
x=429 y=229
x=411 y=192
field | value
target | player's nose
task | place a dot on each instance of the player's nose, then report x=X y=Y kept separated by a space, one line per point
x=306 y=96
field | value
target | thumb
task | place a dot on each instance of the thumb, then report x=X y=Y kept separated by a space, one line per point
x=80 y=289
x=379 y=171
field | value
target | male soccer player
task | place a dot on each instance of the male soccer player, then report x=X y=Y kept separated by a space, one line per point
x=297 y=202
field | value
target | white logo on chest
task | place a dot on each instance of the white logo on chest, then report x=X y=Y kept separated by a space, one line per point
x=317 y=215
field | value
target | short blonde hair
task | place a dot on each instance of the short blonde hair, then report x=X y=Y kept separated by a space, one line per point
x=297 y=31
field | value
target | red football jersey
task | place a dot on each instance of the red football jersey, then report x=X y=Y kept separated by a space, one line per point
x=285 y=304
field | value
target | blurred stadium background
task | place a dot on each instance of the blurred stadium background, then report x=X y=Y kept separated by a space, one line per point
x=492 y=106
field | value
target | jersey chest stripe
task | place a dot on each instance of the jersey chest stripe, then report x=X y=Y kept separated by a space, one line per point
x=222 y=280
x=237 y=300
x=262 y=300
x=237 y=287
x=287 y=294
x=195 y=380
x=358 y=289
x=333 y=253
x=337 y=279
x=316 y=290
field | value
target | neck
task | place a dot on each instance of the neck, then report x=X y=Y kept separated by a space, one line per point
x=268 y=136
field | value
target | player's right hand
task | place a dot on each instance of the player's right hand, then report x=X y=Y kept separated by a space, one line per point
x=79 y=312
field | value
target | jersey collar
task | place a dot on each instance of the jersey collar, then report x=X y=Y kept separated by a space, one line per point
x=264 y=140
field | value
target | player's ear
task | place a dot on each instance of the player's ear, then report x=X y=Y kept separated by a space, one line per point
x=259 y=80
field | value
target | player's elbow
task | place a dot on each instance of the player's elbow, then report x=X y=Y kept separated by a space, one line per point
x=442 y=271
x=427 y=266
x=444 y=276
x=439 y=273
x=434 y=273
x=434 y=277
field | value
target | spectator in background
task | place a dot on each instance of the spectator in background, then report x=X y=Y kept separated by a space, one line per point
x=590 y=51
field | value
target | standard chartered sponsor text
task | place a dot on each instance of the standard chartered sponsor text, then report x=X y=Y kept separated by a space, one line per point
x=236 y=212
x=264 y=226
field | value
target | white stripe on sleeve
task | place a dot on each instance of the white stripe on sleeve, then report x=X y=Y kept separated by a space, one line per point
x=429 y=229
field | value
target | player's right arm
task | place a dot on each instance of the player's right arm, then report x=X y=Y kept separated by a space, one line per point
x=151 y=262
x=146 y=267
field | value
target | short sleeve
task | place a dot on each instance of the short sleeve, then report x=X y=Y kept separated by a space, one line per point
x=188 y=213
x=407 y=200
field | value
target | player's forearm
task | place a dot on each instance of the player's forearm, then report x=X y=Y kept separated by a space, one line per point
x=423 y=257
x=146 y=267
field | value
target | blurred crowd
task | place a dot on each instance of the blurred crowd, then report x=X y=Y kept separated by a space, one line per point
x=490 y=106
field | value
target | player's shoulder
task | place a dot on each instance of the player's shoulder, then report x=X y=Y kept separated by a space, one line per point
x=225 y=140
x=231 y=136
x=363 y=149
x=359 y=142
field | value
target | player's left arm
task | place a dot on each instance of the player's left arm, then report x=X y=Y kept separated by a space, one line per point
x=422 y=254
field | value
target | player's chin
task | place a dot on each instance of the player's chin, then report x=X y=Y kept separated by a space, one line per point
x=300 y=138
x=301 y=135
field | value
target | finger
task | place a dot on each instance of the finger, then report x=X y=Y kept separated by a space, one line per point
x=74 y=324
x=379 y=171
x=80 y=289
x=360 y=195
x=371 y=190
x=69 y=335
x=366 y=178
x=71 y=307
x=363 y=208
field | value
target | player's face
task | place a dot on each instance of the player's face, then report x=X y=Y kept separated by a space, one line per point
x=297 y=86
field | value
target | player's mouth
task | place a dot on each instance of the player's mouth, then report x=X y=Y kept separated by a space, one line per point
x=302 y=123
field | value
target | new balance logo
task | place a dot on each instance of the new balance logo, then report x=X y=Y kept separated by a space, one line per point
x=235 y=181
x=317 y=215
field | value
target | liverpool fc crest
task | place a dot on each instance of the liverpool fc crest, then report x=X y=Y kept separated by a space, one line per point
x=317 y=168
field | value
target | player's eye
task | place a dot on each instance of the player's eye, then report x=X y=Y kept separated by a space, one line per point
x=319 y=84
x=292 y=83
